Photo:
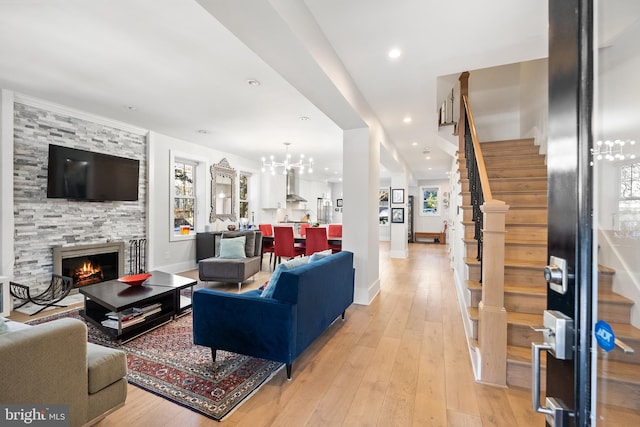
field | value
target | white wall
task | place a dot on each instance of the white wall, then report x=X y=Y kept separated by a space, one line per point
x=431 y=223
x=494 y=94
x=534 y=101
x=174 y=256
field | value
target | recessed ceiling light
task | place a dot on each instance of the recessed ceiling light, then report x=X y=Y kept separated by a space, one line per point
x=253 y=82
x=407 y=119
x=414 y=143
x=395 y=53
x=203 y=131
x=429 y=168
x=304 y=118
x=428 y=157
x=130 y=107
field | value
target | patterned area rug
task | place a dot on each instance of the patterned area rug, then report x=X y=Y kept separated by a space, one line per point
x=167 y=363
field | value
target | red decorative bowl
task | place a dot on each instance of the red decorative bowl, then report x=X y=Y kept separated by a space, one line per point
x=135 y=279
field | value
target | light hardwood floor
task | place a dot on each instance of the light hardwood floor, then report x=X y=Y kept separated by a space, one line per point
x=400 y=361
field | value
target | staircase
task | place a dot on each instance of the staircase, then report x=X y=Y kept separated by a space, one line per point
x=518 y=176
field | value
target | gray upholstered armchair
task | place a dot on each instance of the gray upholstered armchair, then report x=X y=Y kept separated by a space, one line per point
x=52 y=363
x=233 y=262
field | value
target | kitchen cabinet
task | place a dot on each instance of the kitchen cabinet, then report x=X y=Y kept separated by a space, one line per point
x=274 y=191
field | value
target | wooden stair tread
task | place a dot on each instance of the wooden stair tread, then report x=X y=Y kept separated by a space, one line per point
x=513 y=224
x=462 y=167
x=524 y=319
x=612 y=369
x=521 y=354
x=508 y=156
x=512 y=208
x=613 y=297
x=529 y=290
x=473 y=285
x=603 y=297
x=625 y=330
x=514 y=242
x=511 y=263
x=619 y=371
x=514 y=178
x=514 y=318
x=525 y=242
x=511 y=192
x=513 y=142
x=497 y=150
x=605 y=270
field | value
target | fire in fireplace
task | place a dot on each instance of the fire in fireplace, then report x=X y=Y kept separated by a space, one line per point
x=87 y=270
x=89 y=264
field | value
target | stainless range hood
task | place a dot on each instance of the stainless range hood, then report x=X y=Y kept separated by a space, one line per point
x=293 y=190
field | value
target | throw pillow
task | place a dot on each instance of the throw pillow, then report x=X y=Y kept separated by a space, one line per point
x=319 y=255
x=250 y=242
x=232 y=247
x=273 y=281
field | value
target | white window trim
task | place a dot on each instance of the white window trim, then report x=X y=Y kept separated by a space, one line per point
x=248 y=199
x=421 y=199
x=200 y=194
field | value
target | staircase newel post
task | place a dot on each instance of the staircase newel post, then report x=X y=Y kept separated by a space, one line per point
x=492 y=325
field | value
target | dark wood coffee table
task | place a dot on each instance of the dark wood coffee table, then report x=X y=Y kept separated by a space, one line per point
x=178 y=283
x=161 y=289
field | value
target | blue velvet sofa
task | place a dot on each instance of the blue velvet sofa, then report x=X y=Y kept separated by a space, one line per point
x=306 y=300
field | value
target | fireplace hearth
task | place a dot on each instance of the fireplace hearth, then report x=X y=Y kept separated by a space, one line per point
x=89 y=264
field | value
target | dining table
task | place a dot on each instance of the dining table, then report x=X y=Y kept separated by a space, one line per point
x=336 y=242
x=302 y=239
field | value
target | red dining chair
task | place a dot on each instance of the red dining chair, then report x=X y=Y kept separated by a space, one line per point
x=303 y=229
x=267 y=244
x=316 y=240
x=284 y=243
x=335 y=230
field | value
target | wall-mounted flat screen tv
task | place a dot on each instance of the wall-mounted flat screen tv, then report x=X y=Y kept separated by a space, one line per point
x=85 y=175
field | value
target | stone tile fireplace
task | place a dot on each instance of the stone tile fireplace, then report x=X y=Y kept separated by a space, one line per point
x=91 y=263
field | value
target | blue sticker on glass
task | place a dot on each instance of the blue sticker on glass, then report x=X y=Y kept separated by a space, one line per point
x=604 y=335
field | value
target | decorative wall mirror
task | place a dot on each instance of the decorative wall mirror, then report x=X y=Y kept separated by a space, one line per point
x=223 y=192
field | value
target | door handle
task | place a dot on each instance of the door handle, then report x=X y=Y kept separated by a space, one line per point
x=557 y=414
x=536 y=349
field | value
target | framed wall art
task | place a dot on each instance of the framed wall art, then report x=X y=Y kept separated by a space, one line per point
x=397 y=215
x=397 y=195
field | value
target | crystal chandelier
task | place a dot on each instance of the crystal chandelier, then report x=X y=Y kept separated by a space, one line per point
x=287 y=164
x=611 y=150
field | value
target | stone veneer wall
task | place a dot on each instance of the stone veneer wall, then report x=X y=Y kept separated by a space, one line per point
x=42 y=223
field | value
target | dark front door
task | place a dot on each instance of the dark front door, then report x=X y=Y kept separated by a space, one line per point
x=570 y=222
x=594 y=215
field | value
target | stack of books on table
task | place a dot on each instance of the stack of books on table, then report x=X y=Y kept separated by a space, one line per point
x=131 y=316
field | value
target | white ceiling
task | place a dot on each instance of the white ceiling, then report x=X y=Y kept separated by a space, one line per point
x=183 y=66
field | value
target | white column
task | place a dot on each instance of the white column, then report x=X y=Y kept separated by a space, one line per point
x=6 y=183
x=361 y=176
x=399 y=231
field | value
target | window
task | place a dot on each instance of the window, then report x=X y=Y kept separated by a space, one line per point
x=429 y=201
x=244 y=196
x=629 y=203
x=184 y=197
